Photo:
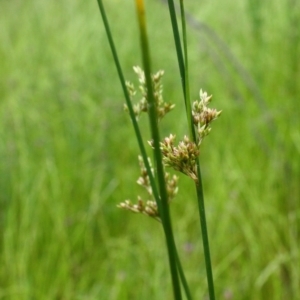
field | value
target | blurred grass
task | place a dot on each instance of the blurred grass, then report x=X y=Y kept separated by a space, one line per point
x=68 y=155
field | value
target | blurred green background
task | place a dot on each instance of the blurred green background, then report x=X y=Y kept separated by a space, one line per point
x=69 y=155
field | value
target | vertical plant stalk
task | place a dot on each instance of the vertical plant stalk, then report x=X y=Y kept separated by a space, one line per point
x=165 y=214
x=205 y=240
x=127 y=99
x=186 y=76
x=183 y=279
x=177 y=43
x=198 y=185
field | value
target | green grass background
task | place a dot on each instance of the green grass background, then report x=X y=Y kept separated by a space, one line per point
x=68 y=153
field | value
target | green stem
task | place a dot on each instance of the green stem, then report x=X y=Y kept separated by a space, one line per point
x=186 y=74
x=165 y=215
x=199 y=188
x=183 y=279
x=205 y=240
x=176 y=35
x=128 y=102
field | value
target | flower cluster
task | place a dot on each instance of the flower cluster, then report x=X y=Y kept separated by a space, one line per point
x=203 y=116
x=184 y=156
x=142 y=106
x=181 y=158
x=149 y=207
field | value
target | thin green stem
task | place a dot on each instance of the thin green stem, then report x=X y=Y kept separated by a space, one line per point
x=128 y=102
x=205 y=241
x=165 y=215
x=186 y=74
x=182 y=278
x=199 y=188
x=177 y=41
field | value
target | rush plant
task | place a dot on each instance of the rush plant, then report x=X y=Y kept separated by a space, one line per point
x=182 y=156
